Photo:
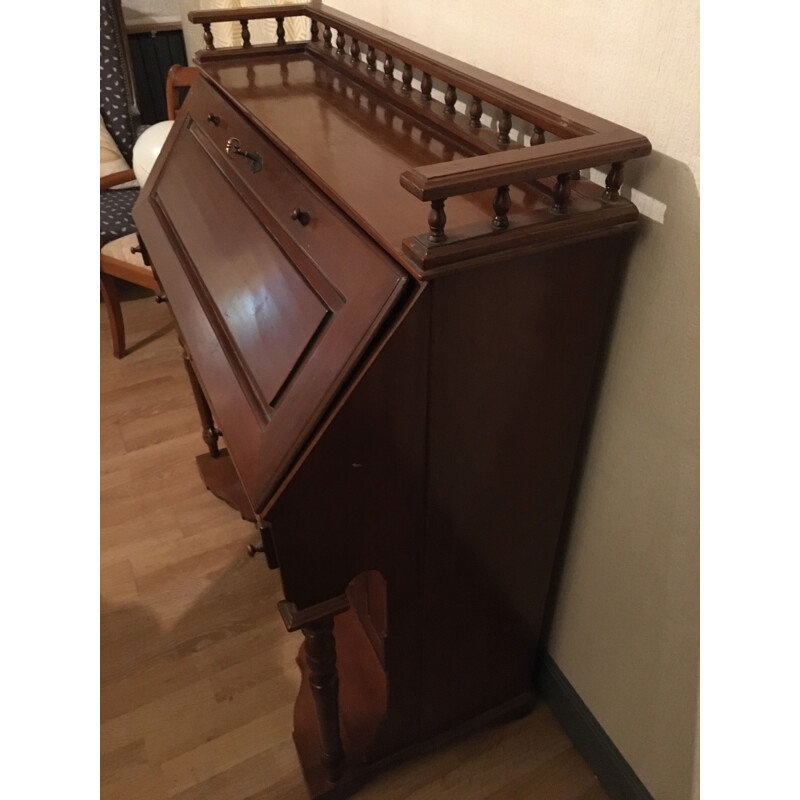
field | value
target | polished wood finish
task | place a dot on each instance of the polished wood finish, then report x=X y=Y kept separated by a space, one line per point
x=319 y=304
x=208 y=35
x=379 y=206
x=436 y=222
x=450 y=98
x=426 y=86
x=561 y=193
x=116 y=178
x=375 y=387
x=211 y=433
x=197 y=674
x=408 y=76
x=614 y=181
x=179 y=78
x=501 y=205
x=491 y=170
x=475 y=112
x=323 y=680
x=504 y=129
x=127 y=271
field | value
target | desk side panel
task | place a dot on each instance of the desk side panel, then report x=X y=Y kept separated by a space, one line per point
x=514 y=352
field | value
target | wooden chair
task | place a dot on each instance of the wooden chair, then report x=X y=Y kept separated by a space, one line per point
x=120 y=258
x=179 y=79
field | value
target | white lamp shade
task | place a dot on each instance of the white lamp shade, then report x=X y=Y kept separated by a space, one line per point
x=147 y=148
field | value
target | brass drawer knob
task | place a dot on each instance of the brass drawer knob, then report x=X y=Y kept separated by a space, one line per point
x=257 y=547
x=213 y=119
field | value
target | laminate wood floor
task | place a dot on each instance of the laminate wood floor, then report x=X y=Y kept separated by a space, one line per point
x=198 y=678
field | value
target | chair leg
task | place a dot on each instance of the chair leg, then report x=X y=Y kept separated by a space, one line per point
x=108 y=291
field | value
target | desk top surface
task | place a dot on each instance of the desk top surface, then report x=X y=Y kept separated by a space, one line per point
x=354 y=144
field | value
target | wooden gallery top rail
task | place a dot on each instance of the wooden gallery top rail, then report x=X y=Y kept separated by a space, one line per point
x=564 y=139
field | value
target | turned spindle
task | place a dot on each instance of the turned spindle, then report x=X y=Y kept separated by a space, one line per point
x=210 y=431
x=561 y=192
x=436 y=221
x=614 y=181
x=314 y=31
x=388 y=68
x=426 y=86
x=475 y=112
x=504 y=128
x=245 y=33
x=340 y=43
x=208 y=37
x=371 y=59
x=450 y=97
x=537 y=137
x=501 y=205
x=408 y=75
x=327 y=35
x=355 y=51
x=323 y=680
x=280 y=31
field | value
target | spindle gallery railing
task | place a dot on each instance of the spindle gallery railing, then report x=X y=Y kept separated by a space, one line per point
x=577 y=140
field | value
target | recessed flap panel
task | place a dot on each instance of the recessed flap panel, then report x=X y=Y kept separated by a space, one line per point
x=272 y=325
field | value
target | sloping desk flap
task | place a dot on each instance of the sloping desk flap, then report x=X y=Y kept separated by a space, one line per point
x=273 y=307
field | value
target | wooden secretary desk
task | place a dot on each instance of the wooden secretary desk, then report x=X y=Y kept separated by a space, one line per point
x=392 y=286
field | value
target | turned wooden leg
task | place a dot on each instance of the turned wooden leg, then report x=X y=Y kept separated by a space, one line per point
x=108 y=291
x=210 y=432
x=323 y=679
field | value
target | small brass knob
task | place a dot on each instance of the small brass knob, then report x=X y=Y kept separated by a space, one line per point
x=213 y=119
x=252 y=549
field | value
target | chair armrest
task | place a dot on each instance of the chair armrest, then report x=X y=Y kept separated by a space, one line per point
x=116 y=178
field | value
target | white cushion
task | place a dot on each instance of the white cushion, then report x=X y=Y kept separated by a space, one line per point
x=147 y=148
x=121 y=249
x=111 y=159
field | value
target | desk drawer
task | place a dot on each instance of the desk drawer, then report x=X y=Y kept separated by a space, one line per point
x=277 y=183
x=274 y=318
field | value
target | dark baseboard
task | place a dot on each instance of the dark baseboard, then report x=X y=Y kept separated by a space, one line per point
x=590 y=740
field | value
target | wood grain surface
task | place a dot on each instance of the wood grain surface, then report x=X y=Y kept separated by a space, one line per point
x=198 y=674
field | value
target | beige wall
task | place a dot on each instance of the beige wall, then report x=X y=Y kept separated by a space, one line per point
x=626 y=629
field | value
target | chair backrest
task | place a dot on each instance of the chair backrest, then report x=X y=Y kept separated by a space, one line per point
x=117 y=98
x=178 y=78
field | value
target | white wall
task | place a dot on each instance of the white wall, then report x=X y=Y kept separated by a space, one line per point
x=139 y=12
x=626 y=629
